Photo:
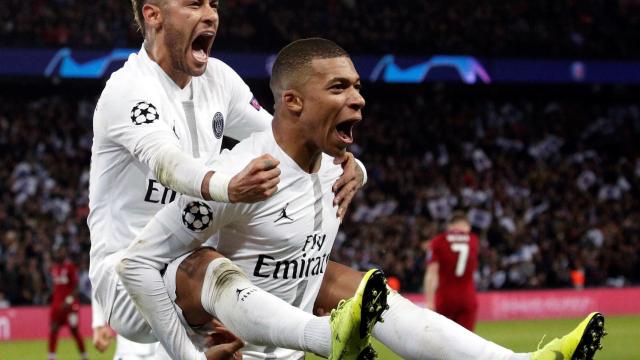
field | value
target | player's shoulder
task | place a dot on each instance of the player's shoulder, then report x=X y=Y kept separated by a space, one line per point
x=255 y=145
x=328 y=167
x=439 y=238
x=217 y=66
x=219 y=72
x=132 y=81
x=124 y=88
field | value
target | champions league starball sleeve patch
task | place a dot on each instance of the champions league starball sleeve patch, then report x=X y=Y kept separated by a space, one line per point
x=196 y=216
x=144 y=113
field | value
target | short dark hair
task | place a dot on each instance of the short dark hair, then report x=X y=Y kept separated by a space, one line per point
x=458 y=216
x=297 y=56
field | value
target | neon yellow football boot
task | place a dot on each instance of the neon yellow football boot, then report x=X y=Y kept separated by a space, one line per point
x=580 y=344
x=353 y=320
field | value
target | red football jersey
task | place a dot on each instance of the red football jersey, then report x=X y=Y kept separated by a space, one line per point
x=456 y=252
x=65 y=280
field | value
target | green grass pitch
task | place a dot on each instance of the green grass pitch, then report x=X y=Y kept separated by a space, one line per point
x=622 y=343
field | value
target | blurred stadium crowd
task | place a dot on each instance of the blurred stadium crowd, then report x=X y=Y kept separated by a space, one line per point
x=551 y=186
x=46 y=148
x=593 y=28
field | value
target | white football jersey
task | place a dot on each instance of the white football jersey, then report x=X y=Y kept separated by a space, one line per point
x=283 y=243
x=141 y=107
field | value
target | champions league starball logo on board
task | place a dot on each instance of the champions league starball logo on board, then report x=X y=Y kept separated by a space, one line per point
x=144 y=113
x=196 y=216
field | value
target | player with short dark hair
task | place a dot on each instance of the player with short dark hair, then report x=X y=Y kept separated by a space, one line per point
x=65 y=305
x=282 y=255
x=452 y=260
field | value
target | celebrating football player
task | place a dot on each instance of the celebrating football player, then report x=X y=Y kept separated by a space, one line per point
x=167 y=108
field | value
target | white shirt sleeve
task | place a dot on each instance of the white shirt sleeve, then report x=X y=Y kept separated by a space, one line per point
x=246 y=115
x=166 y=237
x=97 y=315
x=133 y=118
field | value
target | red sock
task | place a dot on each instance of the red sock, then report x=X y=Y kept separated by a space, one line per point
x=53 y=340
x=76 y=335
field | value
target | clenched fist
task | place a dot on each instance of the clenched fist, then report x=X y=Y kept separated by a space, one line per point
x=257 y=181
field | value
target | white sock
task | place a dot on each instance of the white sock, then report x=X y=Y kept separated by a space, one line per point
x=51 y=356
x=520 y=356
x=316 y=333
x=257 y=316
x=416 y=333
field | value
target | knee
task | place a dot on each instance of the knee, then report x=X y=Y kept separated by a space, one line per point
x=220 y=274
x=193 y=267
x=201 y=257
x=223 y=271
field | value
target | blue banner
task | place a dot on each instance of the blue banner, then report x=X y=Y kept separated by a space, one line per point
x=93 y=64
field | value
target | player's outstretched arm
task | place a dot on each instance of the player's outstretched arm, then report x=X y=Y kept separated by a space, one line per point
x=230 y=351
x=145 y=284
x=140 y=269
x=131 y=116
x=431 y=285
x=102 y=335
x=256 y=182
x=186 y=175
x=102 y=338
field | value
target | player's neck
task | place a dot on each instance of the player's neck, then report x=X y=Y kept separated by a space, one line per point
x=292 y=141
x=161 y=56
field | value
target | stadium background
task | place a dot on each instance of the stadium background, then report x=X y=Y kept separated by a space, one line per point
x=548 y=164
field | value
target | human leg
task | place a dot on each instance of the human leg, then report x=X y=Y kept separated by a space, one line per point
x=580 y=344
x=73 y=321
x=53 y=340
x=225 y=292
x=429 y=335
x=468 y=315
x=56 y=320
x=127 y=321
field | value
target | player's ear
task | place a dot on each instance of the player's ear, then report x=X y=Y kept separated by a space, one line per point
x=292 y=100
x=152 y=15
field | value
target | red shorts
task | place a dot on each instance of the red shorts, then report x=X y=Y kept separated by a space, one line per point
x=62 y=315
x=463 y=312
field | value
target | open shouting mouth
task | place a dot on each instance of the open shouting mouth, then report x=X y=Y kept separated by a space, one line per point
x=344 y=129
x=201 y=46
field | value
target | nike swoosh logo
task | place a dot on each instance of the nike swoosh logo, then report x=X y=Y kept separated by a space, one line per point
x=558 y=355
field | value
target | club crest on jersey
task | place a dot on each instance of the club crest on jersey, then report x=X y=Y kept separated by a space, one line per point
x=144 y=113
x=196 y=216
x=218 y=125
